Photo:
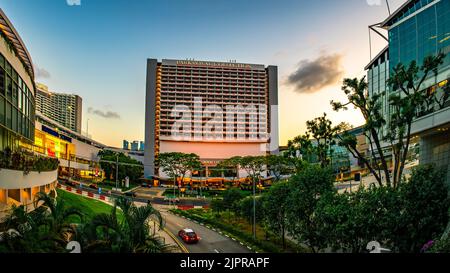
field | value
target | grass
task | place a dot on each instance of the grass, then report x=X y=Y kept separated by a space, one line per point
x=89 y=207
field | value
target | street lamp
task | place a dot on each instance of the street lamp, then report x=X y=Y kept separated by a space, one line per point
x=254 y=208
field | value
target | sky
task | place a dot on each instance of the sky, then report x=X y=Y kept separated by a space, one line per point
x=98 y=50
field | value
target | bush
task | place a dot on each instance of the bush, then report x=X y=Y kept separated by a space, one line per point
x=27 y=161
x=403 y=219
x=231 y=198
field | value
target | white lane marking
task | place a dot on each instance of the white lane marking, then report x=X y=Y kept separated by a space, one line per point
x=233 y=239
x=249 y=247
x=241 y=243
x=217 y=251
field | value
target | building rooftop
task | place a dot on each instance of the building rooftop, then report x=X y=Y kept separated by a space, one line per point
x=8 y=29
x=409 y=7
x=71 y=132
x=376 y=57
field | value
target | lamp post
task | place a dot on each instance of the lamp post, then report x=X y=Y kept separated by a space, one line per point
x=117 y=170
x=254 y=209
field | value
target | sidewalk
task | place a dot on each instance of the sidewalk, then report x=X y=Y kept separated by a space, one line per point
x=168 y=237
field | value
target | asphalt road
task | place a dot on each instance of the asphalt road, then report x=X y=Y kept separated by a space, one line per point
x=144 y=198
x=210 y=242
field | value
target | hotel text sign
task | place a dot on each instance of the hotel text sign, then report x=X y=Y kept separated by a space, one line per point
x=214 y=64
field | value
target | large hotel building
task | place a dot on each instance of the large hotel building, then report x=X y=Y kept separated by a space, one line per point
x=216 y=110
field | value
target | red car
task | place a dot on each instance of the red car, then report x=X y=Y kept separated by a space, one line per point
x=188 y=236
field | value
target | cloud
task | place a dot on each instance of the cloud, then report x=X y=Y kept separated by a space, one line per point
x=103 y=114
x=41 y=73
x=312 y=76
x=73 y=2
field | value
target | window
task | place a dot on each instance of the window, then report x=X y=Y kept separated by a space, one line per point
x=14 y=94
x=2 y=81
x=14 y=119
x=8 y=115
x=8 y=88
x=2 y=110
x=8 y=68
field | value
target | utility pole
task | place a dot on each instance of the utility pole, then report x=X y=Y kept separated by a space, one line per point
x=87 y=128
x=117 y=170
x=254 y=209
x=69 y=166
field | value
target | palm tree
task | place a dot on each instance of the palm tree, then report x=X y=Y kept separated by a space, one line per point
x=46 y=229
x=57 y=217
x=128 y=232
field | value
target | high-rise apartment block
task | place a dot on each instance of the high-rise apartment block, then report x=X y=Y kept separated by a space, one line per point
x=66 y=109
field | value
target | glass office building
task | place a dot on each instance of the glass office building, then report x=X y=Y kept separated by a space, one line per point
x=17 y=104
x=419 y=28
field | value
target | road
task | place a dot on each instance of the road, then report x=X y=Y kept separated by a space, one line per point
x=210 y=242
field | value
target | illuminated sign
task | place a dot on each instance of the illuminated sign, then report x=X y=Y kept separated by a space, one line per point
x=56 y=134
x=214 y=64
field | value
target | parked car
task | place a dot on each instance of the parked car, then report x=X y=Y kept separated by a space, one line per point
x=93 y=186
x=188 y=236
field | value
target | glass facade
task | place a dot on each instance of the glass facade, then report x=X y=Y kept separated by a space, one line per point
x=16 y=107
x=426 y=33
x=377 y=77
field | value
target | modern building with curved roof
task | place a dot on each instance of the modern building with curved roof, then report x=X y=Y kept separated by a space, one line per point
x=20 y=177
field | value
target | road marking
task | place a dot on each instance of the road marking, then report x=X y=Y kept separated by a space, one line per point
x=249 y=247
x=227 y=236
x=233 y=239
x=241 y=243
x=183 y=248
x=217 y=251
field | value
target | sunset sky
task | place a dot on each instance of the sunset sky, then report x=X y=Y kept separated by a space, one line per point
x=98 y=50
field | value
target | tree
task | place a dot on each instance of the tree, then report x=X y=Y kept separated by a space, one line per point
x=107 y=233
x=127 y=166
x=275 y=208
x=307 y=187
x=324 y=134
x=424 y=214
x=402 y=219
x=254 y=166
x=46 y=229
x=405 y=100
x=233 y=164
x=278 y=165
x=176 y=165
x=231 y=197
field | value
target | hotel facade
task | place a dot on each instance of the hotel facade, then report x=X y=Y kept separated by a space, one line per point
x=216 y=110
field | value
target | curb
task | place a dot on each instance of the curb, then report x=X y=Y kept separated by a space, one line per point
x=223 y=233
x=99 y=197
x=180 y=245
